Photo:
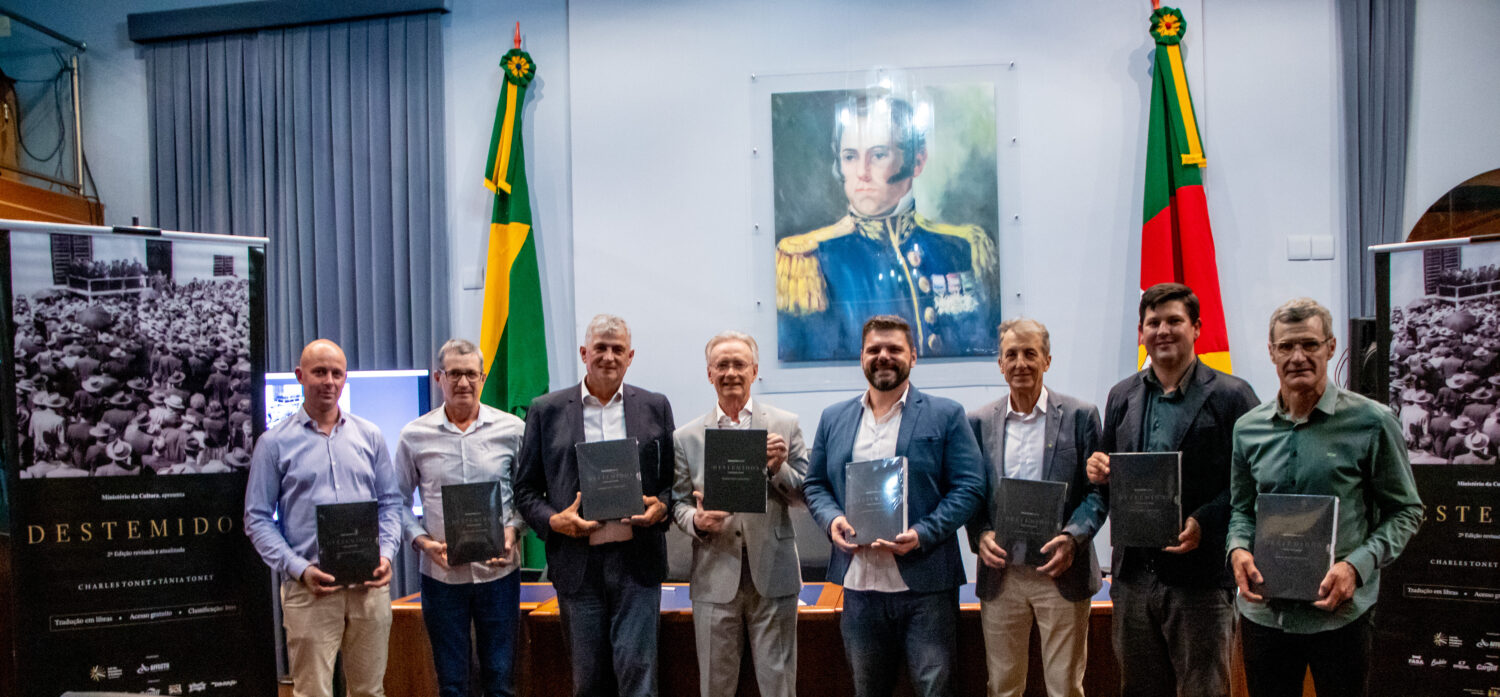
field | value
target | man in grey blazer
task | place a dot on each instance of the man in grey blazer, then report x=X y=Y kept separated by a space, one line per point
x=1037 y=434
x=745 y=570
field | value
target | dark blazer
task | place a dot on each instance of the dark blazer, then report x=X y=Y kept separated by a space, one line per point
x=546 y=479
x=1072 y=434
x=1217 y=400
x=945 y=483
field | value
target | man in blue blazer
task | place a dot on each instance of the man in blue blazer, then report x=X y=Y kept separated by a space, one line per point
x=900 y=595
x=607 y=574
x=1037 y=434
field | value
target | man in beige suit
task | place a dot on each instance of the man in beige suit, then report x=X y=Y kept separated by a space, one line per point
x=745 y=569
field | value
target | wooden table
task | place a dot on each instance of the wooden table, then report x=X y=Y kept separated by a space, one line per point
x=542 y=667
x=409 y=668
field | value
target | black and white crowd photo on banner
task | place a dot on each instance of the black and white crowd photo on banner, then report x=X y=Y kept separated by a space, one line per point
x=1445 y=352
x=132 y=357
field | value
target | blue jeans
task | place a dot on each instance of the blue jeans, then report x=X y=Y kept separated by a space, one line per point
x=1172 y=641
x=882 y=629
x=610 y=627
x=493 y=609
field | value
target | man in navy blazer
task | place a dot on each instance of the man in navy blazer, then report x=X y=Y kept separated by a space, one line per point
x=1174 y=607
x=1040 y=435
x=607 y=574
x=900 y=595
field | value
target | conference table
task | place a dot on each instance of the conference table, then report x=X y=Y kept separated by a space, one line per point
x=542 y=665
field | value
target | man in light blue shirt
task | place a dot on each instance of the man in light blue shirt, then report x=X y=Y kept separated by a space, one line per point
x=318 y=456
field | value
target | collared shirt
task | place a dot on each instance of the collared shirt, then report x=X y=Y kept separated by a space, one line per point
x=434 y=453
x=740 y=421
x=1165 y=411
x=295 y=468
x=871 y=569
x=605 y=421
x=1025 y=440
x=601 y=420
x=1350 y=447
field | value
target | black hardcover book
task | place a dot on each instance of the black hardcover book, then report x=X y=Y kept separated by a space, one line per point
x=1145 y=499
x=734 y=470
x=1029 y=516
x=875 y=504
x=471 y=522
x=609 y=475
x=1294 y=536
x=349 y=541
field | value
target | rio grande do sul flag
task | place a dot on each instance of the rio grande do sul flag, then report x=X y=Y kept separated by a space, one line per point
x=512 y=333
x=1177 y=244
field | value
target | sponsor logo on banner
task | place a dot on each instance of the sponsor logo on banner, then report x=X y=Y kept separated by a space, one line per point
x=1438 y=663
x=197 y=687
x=1415 y=660
x=1448 y=640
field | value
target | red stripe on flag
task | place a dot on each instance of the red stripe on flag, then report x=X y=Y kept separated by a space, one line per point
x=1200 y=268
x=1158 y=256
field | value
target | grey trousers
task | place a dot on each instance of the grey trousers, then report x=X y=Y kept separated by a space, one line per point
x=1172 y=641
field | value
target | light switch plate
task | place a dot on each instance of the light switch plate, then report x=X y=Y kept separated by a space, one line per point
x=1298 y=247
x=1322 y=247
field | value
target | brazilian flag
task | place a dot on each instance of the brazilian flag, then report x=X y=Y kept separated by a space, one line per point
x=512 y=331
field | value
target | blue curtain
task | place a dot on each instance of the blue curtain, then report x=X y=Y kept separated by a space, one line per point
x=328 y=140
x=1376 y=42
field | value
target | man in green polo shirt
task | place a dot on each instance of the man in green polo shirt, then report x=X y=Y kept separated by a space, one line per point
x=1317 y=438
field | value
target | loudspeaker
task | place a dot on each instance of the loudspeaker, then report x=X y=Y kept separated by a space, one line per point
x=1364 y=355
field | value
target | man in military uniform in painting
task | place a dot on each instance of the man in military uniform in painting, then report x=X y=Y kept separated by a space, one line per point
x=882 y=257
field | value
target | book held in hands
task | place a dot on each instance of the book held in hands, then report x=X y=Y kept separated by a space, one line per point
x=1294 y=536
x=349 y=541
x=1145 y=499
x=734 y=470
x=609 y=477
x=471 y=522
x=1029 y=516
x=875 y=502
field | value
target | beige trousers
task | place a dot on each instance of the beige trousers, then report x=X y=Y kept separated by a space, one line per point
x=718 y=630
x=356 y=621
x=1063 y=624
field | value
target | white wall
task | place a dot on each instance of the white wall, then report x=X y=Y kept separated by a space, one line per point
x=1455 y=102
x=661 y=112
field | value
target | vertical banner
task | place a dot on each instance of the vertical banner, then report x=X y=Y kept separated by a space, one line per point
x=1438 y=617
x=1438 y=627
x=134 y=391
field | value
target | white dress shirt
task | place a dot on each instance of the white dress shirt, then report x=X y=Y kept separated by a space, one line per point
x=740 y=421
x=1025 y=440
x=872 y=569
x=605 y=421
x=433 y=453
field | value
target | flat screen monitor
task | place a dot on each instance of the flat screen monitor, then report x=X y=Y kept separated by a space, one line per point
x=388 y=398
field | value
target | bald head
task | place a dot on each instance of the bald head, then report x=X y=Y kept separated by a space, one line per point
x=321 y=348
x=321 y=372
